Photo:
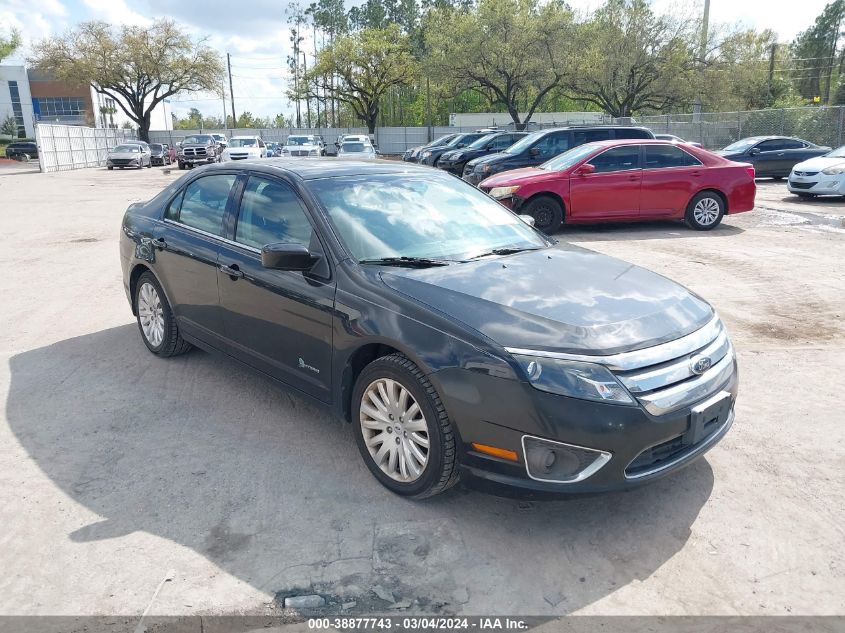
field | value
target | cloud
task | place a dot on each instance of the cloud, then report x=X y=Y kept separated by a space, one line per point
x=115 y=12
x=35 y=19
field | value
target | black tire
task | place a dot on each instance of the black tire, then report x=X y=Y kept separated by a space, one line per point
x=441 y=469
x=172 y=343
x=109 y=167
x=181 y=165
x=777 y=177
x=547 y=213
x=709 y=199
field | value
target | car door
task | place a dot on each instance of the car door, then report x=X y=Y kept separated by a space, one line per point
x=278 y=321
x=769 y=157
x=547 y=147
x=612 y=190
x=670 y=178
x=794 y=152
x=186 y=244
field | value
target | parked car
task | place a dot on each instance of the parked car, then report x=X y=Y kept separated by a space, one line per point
x=820 y=176
x=132 y=155
x=430 y=155
x=628 y=180
x=542 y=145
x=676 y=139
x=454 y=160
x=773 y=156
x=356 y=150
x=303 y=145
x=450 y=333
x=412 y=155
x=160 y=154
x=243 y=147
x=221 y=140
x=22 y=150
x=198 y=149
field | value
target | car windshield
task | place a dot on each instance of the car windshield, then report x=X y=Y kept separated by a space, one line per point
x=200 y=139
x=568 y=159
x=127 y=148
x=742 y=145
x=156 y=147
x=481 y=142
x=352 y=147
x=839 y=152
x=243 y=142
x=443 y=140
x=430 y=216
x=524 y=143
x=301 y=140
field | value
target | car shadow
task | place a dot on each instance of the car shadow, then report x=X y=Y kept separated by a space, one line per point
x=651 y=230
x=271 y=489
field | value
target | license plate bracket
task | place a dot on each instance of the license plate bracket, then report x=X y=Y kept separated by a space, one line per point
x=708 y=416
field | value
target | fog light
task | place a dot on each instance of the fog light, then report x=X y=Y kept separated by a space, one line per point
x=546 y=460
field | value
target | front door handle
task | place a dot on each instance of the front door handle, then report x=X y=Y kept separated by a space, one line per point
x=159 y=242
x=233 y=271
x=696 y=174
x=634 y=177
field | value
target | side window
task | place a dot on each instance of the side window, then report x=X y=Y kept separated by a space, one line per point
x=659 y=156
x=271 y=212
x=630 y=132
x=203 y=203
x=552 y=144
x=617 y=159
x=261 y=143
x=588 y=136
x=503 y=142
x=771 y=146
x=792 y=144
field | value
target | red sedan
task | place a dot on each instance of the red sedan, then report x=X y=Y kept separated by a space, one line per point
x=627 y=180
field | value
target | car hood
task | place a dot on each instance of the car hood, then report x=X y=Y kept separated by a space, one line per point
x=521 y=176
x=301 y=147
x=489 y=158
x=567 y=300
x=819 y=162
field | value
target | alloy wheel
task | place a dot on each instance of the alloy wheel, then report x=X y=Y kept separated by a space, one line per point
x=706 y=211
x=394 y=429
x=151 y=314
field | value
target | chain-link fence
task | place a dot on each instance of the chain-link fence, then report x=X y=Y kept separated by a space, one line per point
x=714 y=130
x=65 y=147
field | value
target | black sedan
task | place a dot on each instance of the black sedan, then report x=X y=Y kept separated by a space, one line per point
x=772 y=156
x=430 y=155
x=22 y=150
x=452 y=335
x=454 y=160
x=412 y=155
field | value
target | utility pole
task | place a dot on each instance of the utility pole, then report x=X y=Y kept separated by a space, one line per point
x=231 y=90
x=772 y=71
x=702 y=53
x=307 y=97
x=316 y=87
x=428 y=107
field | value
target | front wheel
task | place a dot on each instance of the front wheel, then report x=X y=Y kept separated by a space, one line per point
x=547 y=213
x=181 y=165
x=155 y=319
x=705 y=211
x=402 y=429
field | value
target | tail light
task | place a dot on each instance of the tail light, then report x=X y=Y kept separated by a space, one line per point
x=751 y=172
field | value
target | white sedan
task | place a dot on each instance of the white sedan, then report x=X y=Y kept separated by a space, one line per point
x=356 y=150
x=820 y=176
x=244 y=147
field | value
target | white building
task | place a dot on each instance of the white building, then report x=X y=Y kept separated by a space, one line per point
x=16 y=100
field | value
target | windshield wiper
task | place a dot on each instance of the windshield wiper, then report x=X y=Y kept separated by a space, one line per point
x=505 y=250
x=413 y=262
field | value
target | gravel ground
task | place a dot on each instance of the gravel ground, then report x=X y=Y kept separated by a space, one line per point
x=119 y=470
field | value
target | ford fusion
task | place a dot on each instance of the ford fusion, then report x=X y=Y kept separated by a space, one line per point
x=456 y=339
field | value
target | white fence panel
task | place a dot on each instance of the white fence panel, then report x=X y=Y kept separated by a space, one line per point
x=66 y=147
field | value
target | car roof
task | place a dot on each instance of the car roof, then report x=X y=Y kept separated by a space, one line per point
x=315 y=168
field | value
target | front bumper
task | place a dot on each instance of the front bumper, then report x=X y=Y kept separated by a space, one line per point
x=452 y=166
x=818 y=184
x=642 y=447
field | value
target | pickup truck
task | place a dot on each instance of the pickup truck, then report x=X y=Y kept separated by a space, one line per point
x=198 y=149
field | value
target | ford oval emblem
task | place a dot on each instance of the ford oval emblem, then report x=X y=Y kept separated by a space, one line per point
x=700 y=364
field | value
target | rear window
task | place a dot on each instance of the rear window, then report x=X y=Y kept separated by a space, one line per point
x=660 y=156
x=632 y=132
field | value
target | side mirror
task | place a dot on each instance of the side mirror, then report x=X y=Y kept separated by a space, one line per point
x=287 y=256
x=585 y=169
x=754 y=151
x=528 y=219
x=534 y=151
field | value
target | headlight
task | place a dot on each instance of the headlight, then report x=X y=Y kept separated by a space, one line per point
x=835 y=170
x=503 y=192
x=570 y=378
x=425 y=155
x=486 y=169
x=457 y=156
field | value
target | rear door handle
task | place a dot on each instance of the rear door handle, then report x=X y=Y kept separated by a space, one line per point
x=696 y=174
x=159 y=242
x=634 y=177
x=233 y=271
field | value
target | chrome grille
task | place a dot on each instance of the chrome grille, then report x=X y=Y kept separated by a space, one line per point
x=805 y=173
x=195 y=151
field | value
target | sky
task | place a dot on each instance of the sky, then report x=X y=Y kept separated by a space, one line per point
x=255 y=33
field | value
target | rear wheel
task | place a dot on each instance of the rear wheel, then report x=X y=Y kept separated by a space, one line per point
x=109 y=167
x=155 y=319
x=402 y=429
x=705 y=211
x=547 y=213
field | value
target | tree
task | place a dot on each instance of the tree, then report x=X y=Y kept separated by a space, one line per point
x=9 y=127
x=513 y=52
x=631 y=59
x=365 y=66
x=816 y=51
x=138 y=67
x=9 y=45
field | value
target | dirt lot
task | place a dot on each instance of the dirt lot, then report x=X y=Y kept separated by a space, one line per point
x=118 y=470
